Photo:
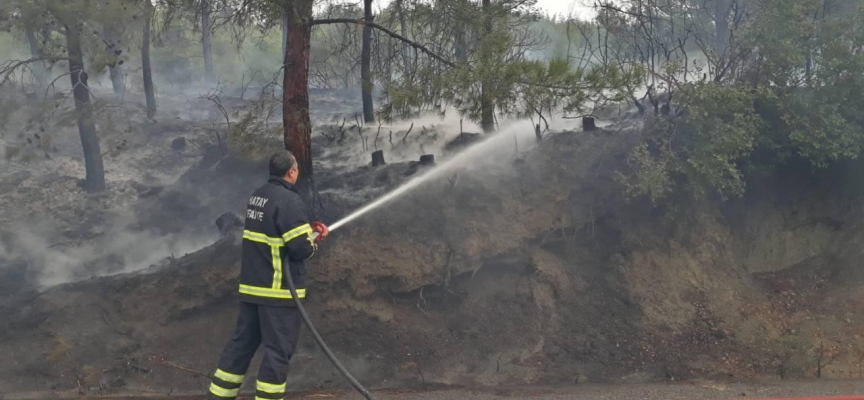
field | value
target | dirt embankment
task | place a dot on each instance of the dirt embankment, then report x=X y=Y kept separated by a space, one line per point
x=532 y=270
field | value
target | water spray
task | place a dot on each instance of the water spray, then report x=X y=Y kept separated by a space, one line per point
x=501 y=138
x=467 y=154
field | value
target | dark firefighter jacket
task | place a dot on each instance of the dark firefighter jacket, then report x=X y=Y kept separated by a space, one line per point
x=277 y=238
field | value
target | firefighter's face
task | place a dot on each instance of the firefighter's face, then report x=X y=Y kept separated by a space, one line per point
x=293 y=174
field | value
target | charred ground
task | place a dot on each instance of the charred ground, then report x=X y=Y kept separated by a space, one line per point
x=532 y=268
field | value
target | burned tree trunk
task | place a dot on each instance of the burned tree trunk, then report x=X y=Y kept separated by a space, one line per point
x=118 y=81
x=36 y=52
x=149 y=94
x=95 y=178
x=284 y=34
x=407 y=66
x=721 y=25
x=406 y=54
x=115 y=69
x=295 y=112
x=365 y=65
x=487 y=107
x=459 y=40
x=206 y=42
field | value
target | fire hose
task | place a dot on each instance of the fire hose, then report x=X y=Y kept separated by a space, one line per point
x=336 y=363
x=318 y=228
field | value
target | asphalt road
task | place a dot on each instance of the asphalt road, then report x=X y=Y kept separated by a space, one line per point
x=702 y=390
x=685 y=391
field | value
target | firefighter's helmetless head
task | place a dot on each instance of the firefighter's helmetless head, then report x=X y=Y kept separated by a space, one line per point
x=284 y=165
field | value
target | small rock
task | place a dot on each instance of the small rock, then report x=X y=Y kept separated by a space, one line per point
x=139 y=187
x=153 y=191
x=179 y=144
x=229 y=223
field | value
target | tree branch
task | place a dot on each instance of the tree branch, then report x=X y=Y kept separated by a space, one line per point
x=7 y=68
x=392 y=34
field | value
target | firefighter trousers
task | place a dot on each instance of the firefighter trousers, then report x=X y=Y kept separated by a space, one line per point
x=277 y=330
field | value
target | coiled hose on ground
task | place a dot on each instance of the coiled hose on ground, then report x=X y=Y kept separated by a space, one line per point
x=362 y=390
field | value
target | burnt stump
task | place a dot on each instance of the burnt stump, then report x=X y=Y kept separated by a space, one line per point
x=588 y=124
x=378 y=158
x=427 y=159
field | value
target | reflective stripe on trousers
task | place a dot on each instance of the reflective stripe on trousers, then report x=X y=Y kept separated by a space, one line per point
x=276 y=331
x=225 y=384
x=269 y=391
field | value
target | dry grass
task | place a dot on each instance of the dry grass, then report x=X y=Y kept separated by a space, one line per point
x=59 y=351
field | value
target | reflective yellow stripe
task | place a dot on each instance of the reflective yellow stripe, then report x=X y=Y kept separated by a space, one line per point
x=228 y=377
x=268 y=292
x=297 y=232
x=312 y=243
x=276 y=244
x=277 y=267
x=270 y=388
x=262 y=238
x=314 y=248
x=222 y=392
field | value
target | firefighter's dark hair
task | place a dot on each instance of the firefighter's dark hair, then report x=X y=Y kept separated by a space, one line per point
x=281 y=163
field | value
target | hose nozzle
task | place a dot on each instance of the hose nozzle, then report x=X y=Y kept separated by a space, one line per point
x=319 y=231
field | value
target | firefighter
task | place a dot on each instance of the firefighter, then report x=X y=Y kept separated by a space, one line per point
x=277 y=238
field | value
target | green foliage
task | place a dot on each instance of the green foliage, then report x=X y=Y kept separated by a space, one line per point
x=542 y=87
x=650 y=174
x=704 y=147
x=795 y=94
x=721 y=127
x=335 y=49
x=819 y=129
x=252 y=136
x=177 y=60
x=564 y=37
x=514 y=67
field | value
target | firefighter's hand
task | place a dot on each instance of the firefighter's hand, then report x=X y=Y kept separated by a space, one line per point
x=322 y=230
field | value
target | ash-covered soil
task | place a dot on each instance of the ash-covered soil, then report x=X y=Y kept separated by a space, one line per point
x=694 y=390
x=524 y=266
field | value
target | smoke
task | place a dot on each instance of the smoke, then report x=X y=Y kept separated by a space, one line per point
x=44 y=245
x=60 y=233
x=429 y=134
x=51 y=260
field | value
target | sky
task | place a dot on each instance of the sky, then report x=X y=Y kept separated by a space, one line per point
x=564 y=7
x=559 y=7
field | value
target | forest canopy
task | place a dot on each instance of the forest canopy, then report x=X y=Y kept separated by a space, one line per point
x=726 y=87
